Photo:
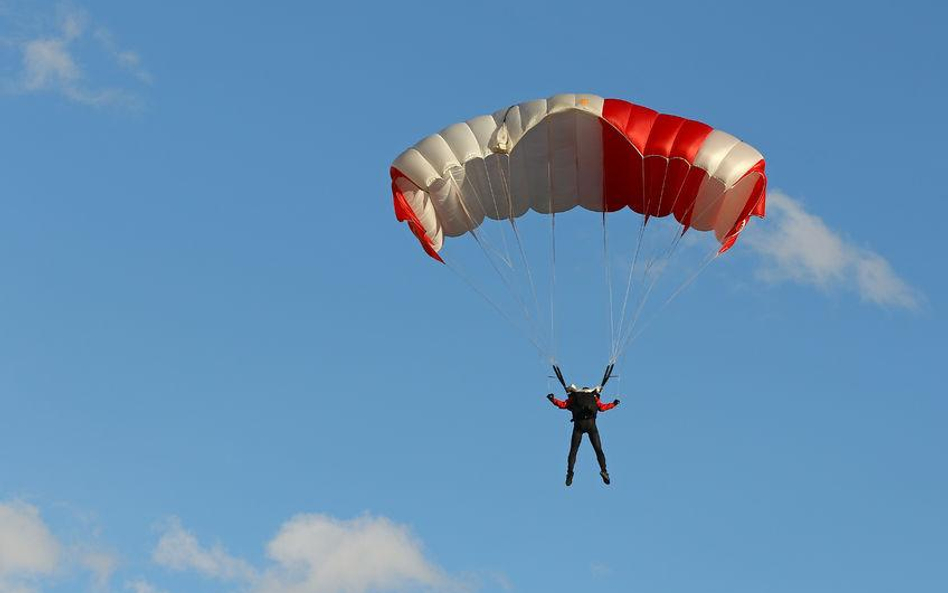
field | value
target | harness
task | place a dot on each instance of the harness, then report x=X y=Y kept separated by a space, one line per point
x=584 y=403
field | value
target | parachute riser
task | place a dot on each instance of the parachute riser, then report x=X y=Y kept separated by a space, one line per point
x=607 y=375
x=559 y=377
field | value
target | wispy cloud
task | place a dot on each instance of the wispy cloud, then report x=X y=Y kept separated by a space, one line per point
x=52 y=61
x=179 y=549
x=142 y=586
x=31 y=555
x=127 y=59
x=800 y=247
x=100 y=564
x=314 y=554
x=600 y=569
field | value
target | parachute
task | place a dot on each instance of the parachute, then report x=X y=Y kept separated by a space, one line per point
x=571 y=151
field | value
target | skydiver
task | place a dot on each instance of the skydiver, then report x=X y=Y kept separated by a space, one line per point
x=584 y=404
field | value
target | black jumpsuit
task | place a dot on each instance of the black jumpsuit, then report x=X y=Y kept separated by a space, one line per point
x=587 y=426
x=584 y=422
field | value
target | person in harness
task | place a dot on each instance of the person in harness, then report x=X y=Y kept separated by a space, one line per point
x=585 y=405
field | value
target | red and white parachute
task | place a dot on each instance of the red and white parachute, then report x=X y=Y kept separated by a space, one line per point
x=554 y=154
x=604 y=155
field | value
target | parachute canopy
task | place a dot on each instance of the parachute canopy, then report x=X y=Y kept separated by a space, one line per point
x=552 y=155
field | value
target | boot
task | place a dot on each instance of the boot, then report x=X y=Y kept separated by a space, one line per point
x=605 y=476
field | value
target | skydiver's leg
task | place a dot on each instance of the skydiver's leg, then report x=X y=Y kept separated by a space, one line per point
x=597 y=445
x=573 y=447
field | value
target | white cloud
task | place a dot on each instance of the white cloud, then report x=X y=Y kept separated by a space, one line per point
x=798 y=246
x=31 y=555
x=50 y=62
x=321 y=554
x=314 y=554
x=311 y=553
x=179 y=549
x=28 y=550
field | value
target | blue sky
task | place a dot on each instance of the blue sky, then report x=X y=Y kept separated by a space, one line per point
x=225 y=367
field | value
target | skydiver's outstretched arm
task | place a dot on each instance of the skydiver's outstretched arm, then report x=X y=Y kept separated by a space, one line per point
x=561 y=404
x=603 y=407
